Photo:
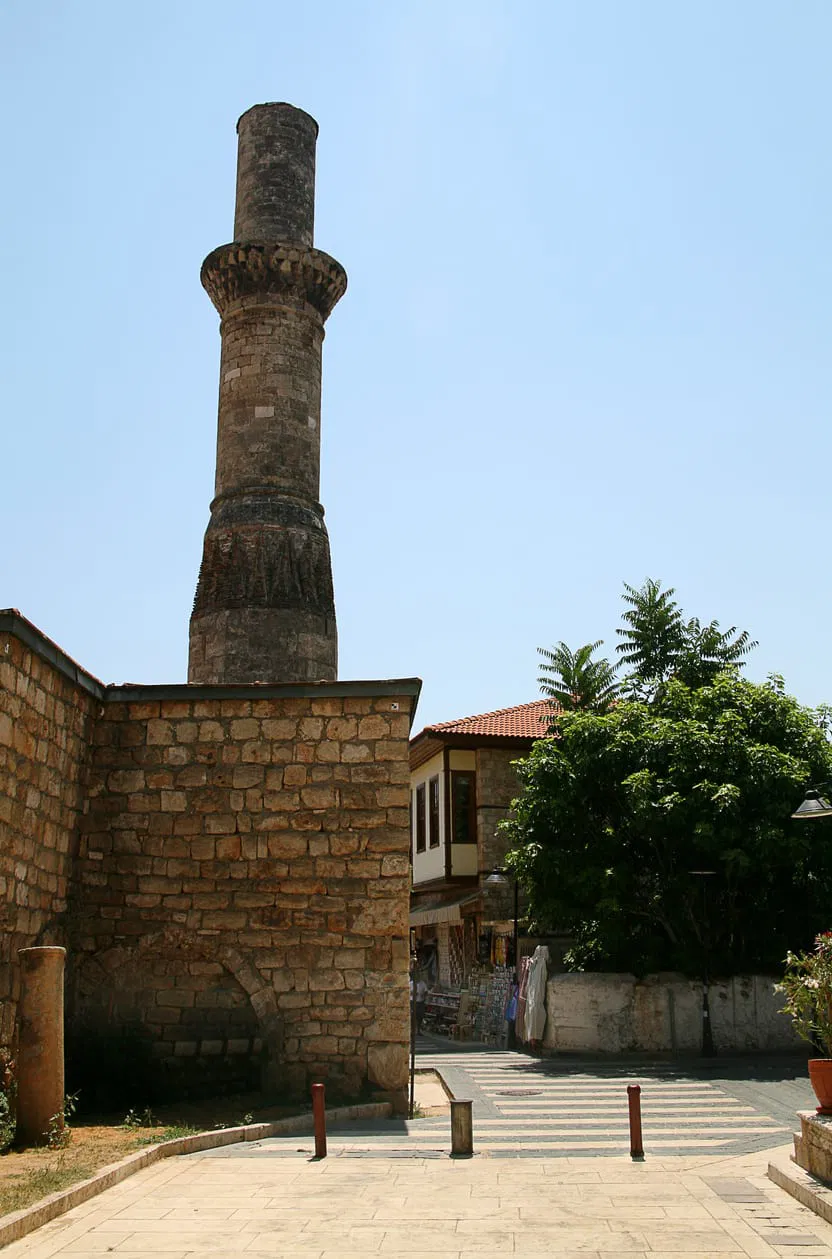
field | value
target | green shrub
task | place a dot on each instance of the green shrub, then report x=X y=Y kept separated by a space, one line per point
x=8 y=1093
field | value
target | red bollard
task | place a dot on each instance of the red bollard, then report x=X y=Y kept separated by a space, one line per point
x=319 y=1119
x=634 y=1101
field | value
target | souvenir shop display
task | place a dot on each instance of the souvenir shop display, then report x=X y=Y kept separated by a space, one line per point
x=495 y=991
x=441 y=1011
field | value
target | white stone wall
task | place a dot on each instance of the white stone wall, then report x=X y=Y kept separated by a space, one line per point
x=597 y=1013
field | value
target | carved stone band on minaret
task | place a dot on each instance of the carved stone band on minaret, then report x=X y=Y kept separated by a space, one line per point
x=233 y=273
x=264 y=608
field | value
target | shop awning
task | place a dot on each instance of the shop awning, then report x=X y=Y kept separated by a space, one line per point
x=441 y=910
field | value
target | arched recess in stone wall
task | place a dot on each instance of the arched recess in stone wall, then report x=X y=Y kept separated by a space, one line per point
x=97 y=975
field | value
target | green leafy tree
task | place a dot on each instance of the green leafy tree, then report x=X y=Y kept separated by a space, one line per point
x=707 y=650
x=658 y=643
x=574 y=680
x=622 y=806
x=653 y=635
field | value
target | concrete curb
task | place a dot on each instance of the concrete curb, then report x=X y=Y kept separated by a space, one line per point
x=19 y=1223
x=807 y=1189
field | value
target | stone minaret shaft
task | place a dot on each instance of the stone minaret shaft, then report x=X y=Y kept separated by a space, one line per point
x=264 y=608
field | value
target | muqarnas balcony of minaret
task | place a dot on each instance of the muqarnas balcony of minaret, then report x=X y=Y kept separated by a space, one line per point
x=241 y=270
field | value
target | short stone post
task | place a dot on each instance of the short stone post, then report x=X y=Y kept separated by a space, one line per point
x=40 y=1052
x=634 y=1104
x=462 y=1130
x=319 y=1119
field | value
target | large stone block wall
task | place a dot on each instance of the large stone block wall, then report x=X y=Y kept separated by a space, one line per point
x=258 y=847
x=606 y=1013
x=228 y=867
x=46 y=720
x=812 y=1152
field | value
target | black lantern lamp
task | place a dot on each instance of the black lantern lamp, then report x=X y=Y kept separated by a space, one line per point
x=814 y=805
x=708 y=1050
x=500 y=877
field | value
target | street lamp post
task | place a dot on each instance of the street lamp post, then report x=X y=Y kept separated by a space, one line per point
x=813 y=805
x=708 y=1050
x=500 y=878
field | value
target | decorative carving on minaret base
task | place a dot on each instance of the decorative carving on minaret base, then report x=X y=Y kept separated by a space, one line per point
x=265 y=568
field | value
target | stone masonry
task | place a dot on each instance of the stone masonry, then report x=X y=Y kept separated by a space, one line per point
x=497 y=786
x=228 y=866
x=264 y=609
x=46 y=722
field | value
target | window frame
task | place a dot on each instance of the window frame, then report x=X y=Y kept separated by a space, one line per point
x=420 y=818
x=434 y=814
x=471 y=775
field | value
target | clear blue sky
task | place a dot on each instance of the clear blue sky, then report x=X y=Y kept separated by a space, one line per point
x=586 y=338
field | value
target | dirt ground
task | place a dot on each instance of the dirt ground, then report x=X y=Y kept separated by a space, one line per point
x=28 y=1175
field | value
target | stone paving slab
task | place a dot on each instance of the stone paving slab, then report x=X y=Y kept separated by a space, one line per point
x=297 y=1206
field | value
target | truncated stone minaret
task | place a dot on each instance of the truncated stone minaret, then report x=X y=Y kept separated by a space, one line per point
x=264 y=609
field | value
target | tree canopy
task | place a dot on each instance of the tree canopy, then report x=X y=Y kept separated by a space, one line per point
x=573 y=679
x=657 y=644
x=697 y=772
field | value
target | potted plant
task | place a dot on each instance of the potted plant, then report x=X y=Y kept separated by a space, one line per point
x=807 y=985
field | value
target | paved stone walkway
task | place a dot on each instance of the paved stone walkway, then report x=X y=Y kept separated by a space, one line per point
x=391 y=1189
x=271 y=1201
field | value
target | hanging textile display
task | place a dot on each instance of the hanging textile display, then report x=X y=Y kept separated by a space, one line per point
x=520 y=1022
x=535 y=1016
x=499 y=950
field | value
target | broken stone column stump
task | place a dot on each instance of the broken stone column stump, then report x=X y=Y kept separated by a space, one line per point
x=40 y=1052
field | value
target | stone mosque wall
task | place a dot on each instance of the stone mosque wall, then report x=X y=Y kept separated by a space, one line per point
x=228 y=866
x=47 y=711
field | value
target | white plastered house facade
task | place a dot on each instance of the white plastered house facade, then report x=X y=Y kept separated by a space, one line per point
x=462 y=782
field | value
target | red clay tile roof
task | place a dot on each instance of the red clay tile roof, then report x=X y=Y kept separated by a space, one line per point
x=523 y=721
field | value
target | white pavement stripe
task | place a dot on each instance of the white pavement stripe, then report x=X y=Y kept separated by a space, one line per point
x=513 y=1092
x=568 y=1077
x=608 y=1126
x=533 y=1122
x=621 y=1145
x=603 y=1095
x=656 y=1108
x=590 y=1086
x=472 y=1062
x=599 y=1112
x=598 y=1086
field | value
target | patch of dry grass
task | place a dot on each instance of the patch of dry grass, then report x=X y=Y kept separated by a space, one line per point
x=21 y=1189
x=27 y=1176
